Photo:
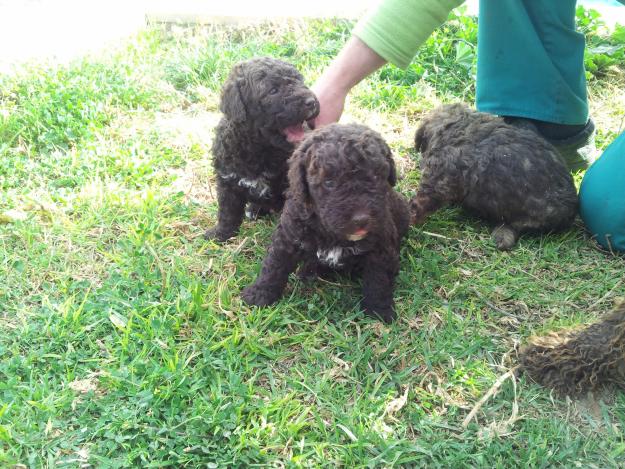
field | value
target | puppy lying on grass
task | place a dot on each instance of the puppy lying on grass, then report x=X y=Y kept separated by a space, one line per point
x=341 y=212
x=506 y=175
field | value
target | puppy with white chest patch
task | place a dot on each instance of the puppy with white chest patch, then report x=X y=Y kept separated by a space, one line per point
x=341 y=212
x=265 y=103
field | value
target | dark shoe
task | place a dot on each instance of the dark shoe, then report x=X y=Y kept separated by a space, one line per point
x=576 y=143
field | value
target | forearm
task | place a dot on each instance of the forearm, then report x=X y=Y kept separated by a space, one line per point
x=393 y=32
x=355 y=62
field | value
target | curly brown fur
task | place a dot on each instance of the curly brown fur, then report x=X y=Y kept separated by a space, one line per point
x=573 y=362
x=264 y=102
x=341 y=212
x=504 y=174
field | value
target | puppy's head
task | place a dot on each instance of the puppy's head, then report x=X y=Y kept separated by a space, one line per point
x=270 y=95
x=344 y=174
x=432 y=126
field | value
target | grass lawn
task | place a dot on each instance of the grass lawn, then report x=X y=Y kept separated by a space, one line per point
x=123 y=341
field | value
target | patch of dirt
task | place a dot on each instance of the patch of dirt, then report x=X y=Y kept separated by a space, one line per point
x=195 y=181
x=180 y=129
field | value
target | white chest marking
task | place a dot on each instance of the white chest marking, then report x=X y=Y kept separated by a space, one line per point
x=332 y=256
x=259 y=186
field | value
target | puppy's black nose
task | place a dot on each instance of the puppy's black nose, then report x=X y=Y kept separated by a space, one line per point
x=310 y=102
x=360 y=219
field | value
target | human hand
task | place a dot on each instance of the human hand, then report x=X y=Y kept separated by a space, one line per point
x=331 y=102
x=355 y=61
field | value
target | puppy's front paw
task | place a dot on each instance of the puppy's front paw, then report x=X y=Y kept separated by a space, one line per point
x=385 y=314
x=258 y=296
x=417 y=213
x=218 y=235
x=416 y=219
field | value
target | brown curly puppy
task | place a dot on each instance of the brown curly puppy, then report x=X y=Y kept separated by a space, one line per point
x=507 y=175
x=574 y=362
x=265 y=103
x=341 y=212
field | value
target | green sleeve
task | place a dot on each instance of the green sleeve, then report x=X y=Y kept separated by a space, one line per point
x=396 y=28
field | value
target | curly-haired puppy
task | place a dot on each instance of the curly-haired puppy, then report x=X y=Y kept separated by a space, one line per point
x=341 y=212
x=265 y=103
x=573 y=362
x=507 y=175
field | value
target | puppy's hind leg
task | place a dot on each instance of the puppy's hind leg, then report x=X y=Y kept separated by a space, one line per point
x=258 y=209
x=254 y=211
x=309 y=270
x=505 y=237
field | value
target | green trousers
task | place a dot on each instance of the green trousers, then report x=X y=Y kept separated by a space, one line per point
x=531 y=64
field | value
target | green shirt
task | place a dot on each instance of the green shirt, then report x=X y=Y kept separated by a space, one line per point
x=397 y=28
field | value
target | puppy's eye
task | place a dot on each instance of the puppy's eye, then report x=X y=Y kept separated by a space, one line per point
x=329 y=184
x=273 y=90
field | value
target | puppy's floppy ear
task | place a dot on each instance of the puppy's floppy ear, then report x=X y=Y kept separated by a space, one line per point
x=392 y=171
x=388 y=156
x=298 y=171
x=372 y=145
x=232 y=99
